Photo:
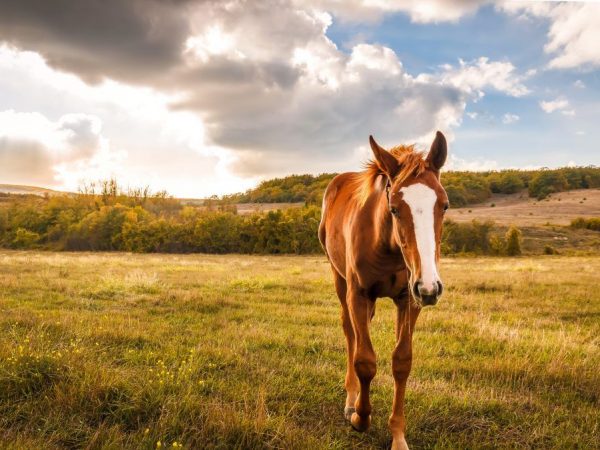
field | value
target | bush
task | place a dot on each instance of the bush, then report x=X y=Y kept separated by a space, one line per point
x=114 y=222
x=513 y=241
x=473 y=237
x=25 y=239
x=592 y=223
x=547 y=182
x=508 y=182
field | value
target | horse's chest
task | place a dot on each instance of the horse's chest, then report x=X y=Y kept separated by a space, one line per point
x=394 y=285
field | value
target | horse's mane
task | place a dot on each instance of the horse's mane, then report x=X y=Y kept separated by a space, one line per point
x=412 y=162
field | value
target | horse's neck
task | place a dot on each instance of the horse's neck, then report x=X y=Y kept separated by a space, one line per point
x=384 y=226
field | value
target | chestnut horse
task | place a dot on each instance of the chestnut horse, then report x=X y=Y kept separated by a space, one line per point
x=381 y=231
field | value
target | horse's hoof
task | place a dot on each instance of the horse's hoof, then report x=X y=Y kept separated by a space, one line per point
x=360 y=424
x=348 y=411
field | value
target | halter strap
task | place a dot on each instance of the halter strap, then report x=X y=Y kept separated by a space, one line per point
x=388 y=186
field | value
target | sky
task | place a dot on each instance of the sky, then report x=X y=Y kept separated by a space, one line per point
x=205 y=97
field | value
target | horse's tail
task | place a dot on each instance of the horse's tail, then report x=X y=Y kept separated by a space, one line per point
x=322 y=227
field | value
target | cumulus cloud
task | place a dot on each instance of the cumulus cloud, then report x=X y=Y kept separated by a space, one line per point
x=272 y=91
x=574 y=32
x=476 y=76
x=279 y=93
x=420 y=11
x=133 y=40
x=36 y=149
x=477 y=165
x=560 y=104
x=508 y=118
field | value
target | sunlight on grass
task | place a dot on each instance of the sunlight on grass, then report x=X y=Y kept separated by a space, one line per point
x=197 y=351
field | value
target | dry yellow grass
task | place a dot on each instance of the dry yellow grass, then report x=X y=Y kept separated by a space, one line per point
x=521 y=210
x=123 y=351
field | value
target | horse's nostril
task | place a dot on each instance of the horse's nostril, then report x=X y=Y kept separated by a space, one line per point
x=417 y=289
x=440 y=288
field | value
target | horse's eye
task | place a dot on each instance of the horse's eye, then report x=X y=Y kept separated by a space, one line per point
x=394 y=211
x=446 y=206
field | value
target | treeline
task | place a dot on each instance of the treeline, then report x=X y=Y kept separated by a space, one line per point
x=139 y=222
x=154 y=224
x=464 y=188
x=294 y=188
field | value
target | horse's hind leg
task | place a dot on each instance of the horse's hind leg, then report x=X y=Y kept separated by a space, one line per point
x=351 y=382
x=365 y=366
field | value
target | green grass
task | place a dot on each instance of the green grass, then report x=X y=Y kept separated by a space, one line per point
x=123 y=351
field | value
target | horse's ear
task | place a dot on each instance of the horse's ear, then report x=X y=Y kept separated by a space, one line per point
x=385 y=160
x=438 y=152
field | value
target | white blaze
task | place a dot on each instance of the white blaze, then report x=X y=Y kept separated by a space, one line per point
x=421 y=201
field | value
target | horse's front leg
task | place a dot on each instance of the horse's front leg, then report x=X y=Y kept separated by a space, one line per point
x=407 y=314
x=361 y=311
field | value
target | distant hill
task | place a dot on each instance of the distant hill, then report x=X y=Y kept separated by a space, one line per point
x=291 y=189
x=24 y=190
x=520 y=209
x=463 y=188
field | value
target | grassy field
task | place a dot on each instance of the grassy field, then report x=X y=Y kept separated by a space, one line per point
x=126 y=351
x=522 y=210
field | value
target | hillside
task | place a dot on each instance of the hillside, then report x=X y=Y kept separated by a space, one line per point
x=19 y=189
x=464 y=188
x=519 y=209
x=508 y=209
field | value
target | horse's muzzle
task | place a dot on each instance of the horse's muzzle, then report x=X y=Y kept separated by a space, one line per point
x=427 y=297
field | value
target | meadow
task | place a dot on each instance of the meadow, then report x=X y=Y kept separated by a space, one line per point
x=116 y=350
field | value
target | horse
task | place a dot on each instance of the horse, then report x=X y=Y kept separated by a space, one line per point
x=381 y=230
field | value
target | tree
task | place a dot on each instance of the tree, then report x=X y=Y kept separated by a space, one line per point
x=547 y=182
x=513 y=241
x=510 y=183
x=25 y=238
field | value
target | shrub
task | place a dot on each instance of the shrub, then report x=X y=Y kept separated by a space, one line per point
x=513 y=241
x=25 y=238
x=592 y=223
x=508 y=182
x=547 y=182
x=473 y=237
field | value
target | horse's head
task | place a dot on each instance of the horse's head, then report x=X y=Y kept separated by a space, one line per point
x=417 y=201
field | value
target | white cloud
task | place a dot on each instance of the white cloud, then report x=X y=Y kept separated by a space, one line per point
x=159 y=147
x=242 y=90
x=579 y=84
x=420 y=11
x=574 y=32
x=472 y=164
x=476 y=76
x=560 y=104
x=472 y=115
x=305 y=96
x=508 y=118
x=554 y=105
x=34 y=148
